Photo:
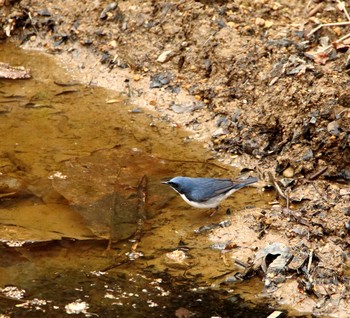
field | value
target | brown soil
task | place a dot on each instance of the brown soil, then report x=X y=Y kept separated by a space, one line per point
x=248 y=78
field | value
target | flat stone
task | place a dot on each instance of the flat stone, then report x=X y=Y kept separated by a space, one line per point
x=333 y=128
x=164 y=57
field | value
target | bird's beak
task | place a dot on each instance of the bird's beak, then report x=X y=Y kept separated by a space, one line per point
x=165 y=182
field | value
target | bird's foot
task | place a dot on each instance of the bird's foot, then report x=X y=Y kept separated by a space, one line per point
x=214 y=211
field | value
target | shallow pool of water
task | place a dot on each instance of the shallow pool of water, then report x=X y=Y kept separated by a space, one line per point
x=84 y=216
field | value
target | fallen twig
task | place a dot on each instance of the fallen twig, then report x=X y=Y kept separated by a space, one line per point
x=319 y=193
x=141 y=196
x=33 y=25
x=316 y=9
x=310 y=261
x=278 y=189
x=342 y=7
x=242 y=264
x=343 y=37
x=318 y=173
x=327 y=25
x=108 y=268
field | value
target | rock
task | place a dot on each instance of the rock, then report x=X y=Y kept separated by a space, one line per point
x=308 y=155
x=10 y=185
x=164 y=57
x=333 y=128
x=249 y=145
x=159 y=80
x=44 y=12
x=300 y=230
x=219 y=132
x=136 y=77
x=223 y=122
x=113 y=43
x=108 y=8
x=347 y=225
x=180 y=109
x=287 y=182
x=174 y=89
x=288 y=173
x=260 y=22
x=313 y=120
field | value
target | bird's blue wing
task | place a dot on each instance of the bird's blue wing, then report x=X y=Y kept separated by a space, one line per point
x=207 y=188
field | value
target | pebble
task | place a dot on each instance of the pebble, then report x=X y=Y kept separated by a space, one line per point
x=308 y=155
x=159 y=80
x=260 y=21
x=347 y=225
x=113 y=43
x=109 y=7
x=164 y=57
x=137 y=77
x=313 y=120
x=180 y=109
x=333 y=128
x=275 y=314
x=288 y=173
x=219 y=132
x=287 y=182
x=44 y=12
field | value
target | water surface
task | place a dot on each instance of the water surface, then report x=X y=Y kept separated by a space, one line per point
x=83 y=213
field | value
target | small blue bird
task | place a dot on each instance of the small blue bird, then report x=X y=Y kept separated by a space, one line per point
x=207 y=193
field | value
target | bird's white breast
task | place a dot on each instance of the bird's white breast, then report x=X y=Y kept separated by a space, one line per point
x=209 y=204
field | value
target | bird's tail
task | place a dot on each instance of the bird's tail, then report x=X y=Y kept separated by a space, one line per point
x=245 y=182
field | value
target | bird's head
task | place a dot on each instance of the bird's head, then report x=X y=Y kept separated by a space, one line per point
x=177 y=183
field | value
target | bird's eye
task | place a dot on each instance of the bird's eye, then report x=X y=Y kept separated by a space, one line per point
x=173 y=184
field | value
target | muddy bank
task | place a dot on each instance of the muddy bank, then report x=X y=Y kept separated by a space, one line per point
x=254 y=79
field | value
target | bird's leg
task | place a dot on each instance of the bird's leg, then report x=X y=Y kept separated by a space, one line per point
x=215 y=210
